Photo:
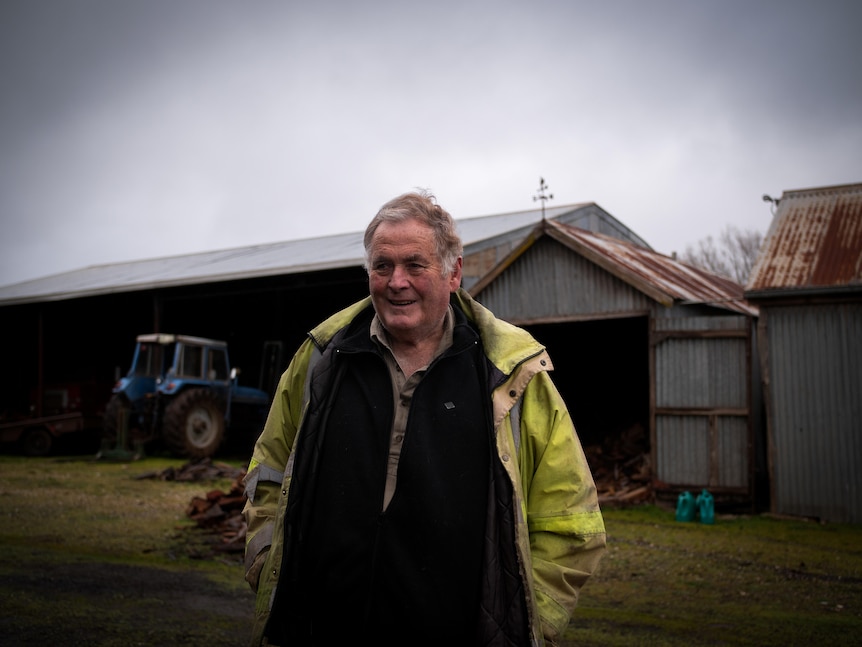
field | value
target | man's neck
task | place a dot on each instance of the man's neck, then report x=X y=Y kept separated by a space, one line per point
x=412 y=356
x=415 y=354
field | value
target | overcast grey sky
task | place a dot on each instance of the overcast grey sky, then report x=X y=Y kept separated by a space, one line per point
x=142 y=129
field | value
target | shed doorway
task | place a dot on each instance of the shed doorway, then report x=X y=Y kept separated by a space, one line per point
x=601 y=368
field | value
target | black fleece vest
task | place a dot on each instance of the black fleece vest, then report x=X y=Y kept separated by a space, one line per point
x=411 y=573
x=348 y=614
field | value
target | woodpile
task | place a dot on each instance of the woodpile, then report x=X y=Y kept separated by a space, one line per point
x=621 y=468
x=217 y=512
x=221 y=513
x=200 y=470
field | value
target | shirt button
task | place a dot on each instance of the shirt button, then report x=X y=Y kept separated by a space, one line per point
x=505 y=458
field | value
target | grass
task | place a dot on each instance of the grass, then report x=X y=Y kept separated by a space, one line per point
x=746 y=580
x=80 y=506
x=91 y=555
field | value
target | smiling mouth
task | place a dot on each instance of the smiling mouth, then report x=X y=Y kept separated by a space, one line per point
x=400 y=303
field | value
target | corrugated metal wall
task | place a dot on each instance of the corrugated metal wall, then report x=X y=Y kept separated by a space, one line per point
x=550 y=283
x=815 y=397
x=702 y=402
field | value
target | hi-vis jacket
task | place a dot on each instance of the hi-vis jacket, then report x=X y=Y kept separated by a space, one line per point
x=559 y=531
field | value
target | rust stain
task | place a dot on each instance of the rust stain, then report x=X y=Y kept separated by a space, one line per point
x=815 y=241
x=679 y=281
x=842 y=242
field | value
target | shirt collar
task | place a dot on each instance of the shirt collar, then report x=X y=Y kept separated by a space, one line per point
x=379 y=334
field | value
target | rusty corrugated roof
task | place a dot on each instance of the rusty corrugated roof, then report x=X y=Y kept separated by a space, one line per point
x=814 y=243
x=661 y=277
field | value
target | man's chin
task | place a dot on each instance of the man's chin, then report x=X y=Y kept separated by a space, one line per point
x=398 y=323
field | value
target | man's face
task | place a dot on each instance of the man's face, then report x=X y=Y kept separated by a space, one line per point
x=408 y=289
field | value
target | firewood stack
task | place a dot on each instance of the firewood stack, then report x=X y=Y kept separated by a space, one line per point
x=621 y=468
x=217 y=512
x=221 y=513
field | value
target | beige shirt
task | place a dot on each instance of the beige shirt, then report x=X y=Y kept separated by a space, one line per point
x=402 y=393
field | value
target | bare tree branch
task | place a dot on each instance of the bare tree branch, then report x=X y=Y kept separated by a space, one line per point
x=732 y=257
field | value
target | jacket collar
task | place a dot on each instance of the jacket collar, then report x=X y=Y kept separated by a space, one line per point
x=506 y=345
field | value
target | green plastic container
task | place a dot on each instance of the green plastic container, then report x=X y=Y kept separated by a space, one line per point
x=685 y=507
x=706 y=507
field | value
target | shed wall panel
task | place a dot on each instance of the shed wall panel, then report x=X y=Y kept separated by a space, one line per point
x=815 y=388
x=707 y=373
x=732 y=449
x=689 y=452
x=682 y=450
x=549 y=282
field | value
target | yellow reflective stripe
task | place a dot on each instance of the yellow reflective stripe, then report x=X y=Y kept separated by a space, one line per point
x=580 y=523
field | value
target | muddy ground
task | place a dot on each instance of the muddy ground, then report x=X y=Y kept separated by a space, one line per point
x=93 y=554
x=92 y=603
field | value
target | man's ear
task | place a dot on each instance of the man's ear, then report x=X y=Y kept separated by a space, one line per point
x=455 y=276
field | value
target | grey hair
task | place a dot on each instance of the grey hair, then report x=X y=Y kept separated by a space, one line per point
x=421 y=206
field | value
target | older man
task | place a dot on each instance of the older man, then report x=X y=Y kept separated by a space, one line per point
x=419 y=479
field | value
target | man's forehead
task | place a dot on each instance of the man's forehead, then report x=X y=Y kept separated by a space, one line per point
x=390 y=252
x=404 y=241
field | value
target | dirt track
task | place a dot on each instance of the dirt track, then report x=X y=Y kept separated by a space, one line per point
x=102 y=604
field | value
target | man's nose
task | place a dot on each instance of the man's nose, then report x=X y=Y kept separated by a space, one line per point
x=399 y=277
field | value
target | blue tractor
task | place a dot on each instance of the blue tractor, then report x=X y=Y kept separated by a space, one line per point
x=182 y=392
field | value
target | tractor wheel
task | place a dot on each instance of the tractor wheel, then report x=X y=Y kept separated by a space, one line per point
x=36 y=442
x=194 y=424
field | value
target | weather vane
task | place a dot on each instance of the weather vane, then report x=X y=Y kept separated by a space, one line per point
x=541 y=196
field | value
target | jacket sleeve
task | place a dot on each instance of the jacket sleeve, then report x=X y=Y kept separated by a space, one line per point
x=565 y=525
x=267 y=469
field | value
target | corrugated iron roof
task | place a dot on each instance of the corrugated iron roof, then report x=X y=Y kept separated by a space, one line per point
x=288 y=257
x=280 y=258
x=813 y=244
x=660 y=277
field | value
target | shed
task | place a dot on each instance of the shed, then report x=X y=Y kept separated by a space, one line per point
x=807 y=283
x=641 y=342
